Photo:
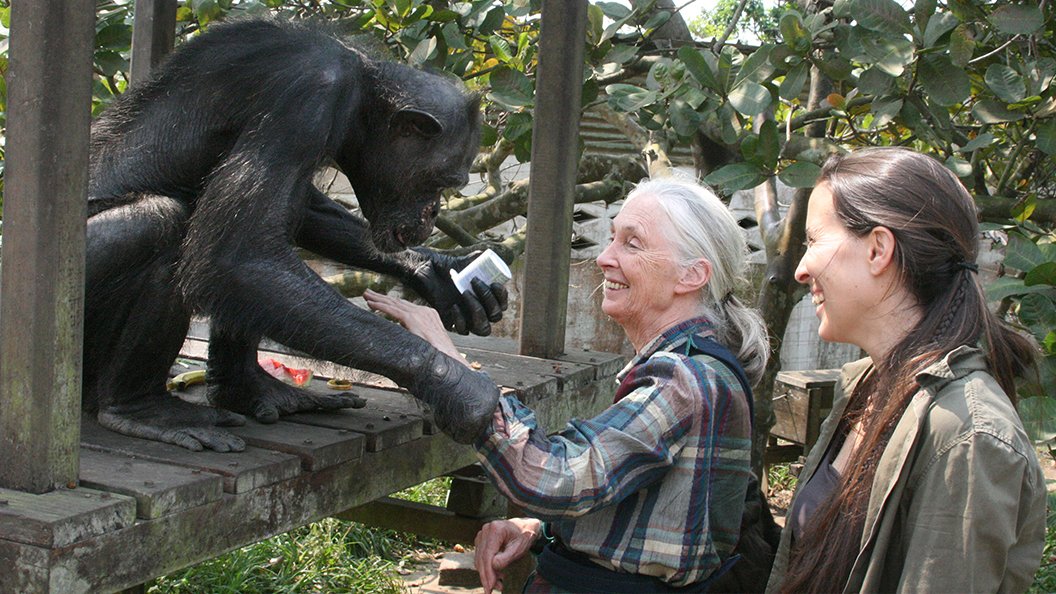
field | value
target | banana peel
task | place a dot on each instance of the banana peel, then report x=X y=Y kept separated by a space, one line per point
x=186 y=379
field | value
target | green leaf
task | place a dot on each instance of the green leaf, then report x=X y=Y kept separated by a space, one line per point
x=621 y=54
x=945 y=83
x=962 y=45
x=1006 y=83
x=750 y=98
x=794 y=33
x=1017 y=19
x=511 y=88
x=493 y=21
x=835 y=67
x=792 y=86
x=488 y=135
x=958 y=166
x=629 y=98
x=885 y=16
x=517 y=125
x=983 y=140
x=890 y=54
x=736 y=176
x=801 y=174
x=756 y=66
x=992 y=112
x=5 y=17
x=501 y=48
x=873 y=81
x=1045 y=274
x=938 y=25
x=422 y=52
x=1038 y=312
x=684 y=119
x=884 y=109
x=614 y=11
x=769 y=144
x=1007 y=286
x=1023 y=254
x=1046 y=137
x=658 y=20
x=699 y=68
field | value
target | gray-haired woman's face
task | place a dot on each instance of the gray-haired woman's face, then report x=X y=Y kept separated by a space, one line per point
x=640 y=266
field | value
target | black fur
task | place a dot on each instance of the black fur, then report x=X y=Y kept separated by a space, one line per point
x=200 y=187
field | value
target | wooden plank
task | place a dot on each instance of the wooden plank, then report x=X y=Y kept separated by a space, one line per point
x=424 y=520
x=241 y=471
x=165 y=544
x=153 y=35
x=158 y=489
x=809 y=378
x=604 y=364
x=505 y=369
x=382 y=427
x=62 y=517
x=555 y=145
x=317 y=447
x=49 y=80
x=25 y=568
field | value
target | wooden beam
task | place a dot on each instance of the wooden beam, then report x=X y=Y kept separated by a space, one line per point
x=49 y=97
x=555 y=157
x=153 y=36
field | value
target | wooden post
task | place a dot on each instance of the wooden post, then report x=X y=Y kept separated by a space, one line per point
x=153 y=35
x=49 y=85
x=555 y=158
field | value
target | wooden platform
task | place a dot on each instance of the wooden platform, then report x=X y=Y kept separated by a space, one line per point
x=144 y=509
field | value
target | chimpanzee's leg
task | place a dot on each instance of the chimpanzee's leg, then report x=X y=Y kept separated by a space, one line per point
x=135 y=323
x=237 y=382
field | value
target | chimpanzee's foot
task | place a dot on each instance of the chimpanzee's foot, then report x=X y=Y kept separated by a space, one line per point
x=171 y=420
x=265 y=398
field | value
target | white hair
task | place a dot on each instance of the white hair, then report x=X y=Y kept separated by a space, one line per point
x=702 y=227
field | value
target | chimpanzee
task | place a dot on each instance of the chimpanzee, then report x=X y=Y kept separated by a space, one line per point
x=201 y=186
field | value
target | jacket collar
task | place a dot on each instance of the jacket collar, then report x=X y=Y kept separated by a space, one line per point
x=670 y=340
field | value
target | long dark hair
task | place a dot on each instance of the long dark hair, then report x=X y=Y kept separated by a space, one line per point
x=933 y=219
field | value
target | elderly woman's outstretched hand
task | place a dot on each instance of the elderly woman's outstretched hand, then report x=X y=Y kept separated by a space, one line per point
x=420 y=320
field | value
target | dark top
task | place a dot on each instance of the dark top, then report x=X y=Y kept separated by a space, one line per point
x=812 y=494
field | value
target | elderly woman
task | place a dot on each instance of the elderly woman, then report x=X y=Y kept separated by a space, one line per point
x=922 y=479
x=648 y=495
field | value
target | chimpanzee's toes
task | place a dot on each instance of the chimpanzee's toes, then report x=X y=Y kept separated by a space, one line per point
x=220 y=441
x=265 y=411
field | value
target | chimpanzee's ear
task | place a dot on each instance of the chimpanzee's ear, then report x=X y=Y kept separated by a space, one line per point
x=415 y=121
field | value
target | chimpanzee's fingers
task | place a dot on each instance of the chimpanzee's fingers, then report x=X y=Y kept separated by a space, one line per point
x=501 y=295
x=457 y=320
x=477 y=318
x=486 y=295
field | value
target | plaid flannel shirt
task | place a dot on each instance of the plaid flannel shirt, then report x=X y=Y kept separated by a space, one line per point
x=654 y=484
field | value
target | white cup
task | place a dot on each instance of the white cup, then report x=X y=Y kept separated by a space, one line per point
x=488 y=267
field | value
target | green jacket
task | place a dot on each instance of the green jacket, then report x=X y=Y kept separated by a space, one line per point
x=958 y=502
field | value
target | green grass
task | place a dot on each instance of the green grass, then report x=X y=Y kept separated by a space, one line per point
x=327 y=556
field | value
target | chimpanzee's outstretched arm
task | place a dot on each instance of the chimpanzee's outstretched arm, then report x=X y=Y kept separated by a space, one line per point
x=330 y=230
x=245 y=274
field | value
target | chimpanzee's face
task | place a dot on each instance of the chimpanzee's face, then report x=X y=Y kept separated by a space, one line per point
x=400 y=170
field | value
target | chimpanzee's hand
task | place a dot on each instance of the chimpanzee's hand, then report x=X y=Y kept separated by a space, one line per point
x=472 y=311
